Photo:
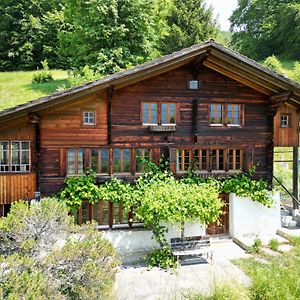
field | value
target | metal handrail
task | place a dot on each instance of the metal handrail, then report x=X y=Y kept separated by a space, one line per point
x=288 y=192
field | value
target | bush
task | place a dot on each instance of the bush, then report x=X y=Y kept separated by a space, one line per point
x=274 y=244
x=43 y=255
x=256 y=247
x=163 y=258
x=44 y=75
x=295 y=73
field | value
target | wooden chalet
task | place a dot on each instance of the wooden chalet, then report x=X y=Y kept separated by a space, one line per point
x=205 y=107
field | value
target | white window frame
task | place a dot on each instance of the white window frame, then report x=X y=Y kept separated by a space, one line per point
x=90 y=116
x=286 y=121
x=21 y=165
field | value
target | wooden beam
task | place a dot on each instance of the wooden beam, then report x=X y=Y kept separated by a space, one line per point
x=237 y=78
x=295 y=176
x=198 y=63
x=283 y=97
x=243 y=73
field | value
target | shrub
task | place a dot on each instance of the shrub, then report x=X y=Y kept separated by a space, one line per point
x=44 y=75
x=163 y=258
x=43 y=255
x=295 y=73
x=256 y=247
x=274 y=244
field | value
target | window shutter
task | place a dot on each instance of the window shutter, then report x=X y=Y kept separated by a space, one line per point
x=173 y=160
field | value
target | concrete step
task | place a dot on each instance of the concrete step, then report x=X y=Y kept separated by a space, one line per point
x=287 y=219
x=289 y=224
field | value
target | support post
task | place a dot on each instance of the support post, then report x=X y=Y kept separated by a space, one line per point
x=295 y=176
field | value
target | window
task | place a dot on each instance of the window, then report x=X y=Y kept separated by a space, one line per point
x=144 y=154
x=88 y=118
x=15 y=156
x=150 y=114
x=4 y=156
x=233 y=114
x=284 y=121
x=218 y=160
x=168 y=114
x=201 y=160
x=121 y=160
x=235 y=159
x=226 y=115
x=159 y=113
x=184 y=160
x=99 y=161
x=75 y=161
x=193 y=84
x=216 y=114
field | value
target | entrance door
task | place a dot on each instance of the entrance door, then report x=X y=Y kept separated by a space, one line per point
x=223 y=226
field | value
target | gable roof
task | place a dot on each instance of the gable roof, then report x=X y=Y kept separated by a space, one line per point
x=217 y=57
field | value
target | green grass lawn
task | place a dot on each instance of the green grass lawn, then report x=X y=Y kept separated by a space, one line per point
x=16 y=87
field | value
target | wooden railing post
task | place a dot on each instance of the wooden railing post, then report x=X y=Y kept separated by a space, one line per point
x=110 y=214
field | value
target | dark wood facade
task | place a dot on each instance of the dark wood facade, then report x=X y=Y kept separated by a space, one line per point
x=55 y=128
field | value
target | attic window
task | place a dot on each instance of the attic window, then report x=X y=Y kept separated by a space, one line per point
x=193 y=84
x=89 y=118
x=284 y=121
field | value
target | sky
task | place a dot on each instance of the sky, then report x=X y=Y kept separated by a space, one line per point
x=222 y=11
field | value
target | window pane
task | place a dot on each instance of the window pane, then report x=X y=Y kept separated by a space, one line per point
x=15 y=148
x=164 y=114
x=104 y=161
x=221 y=159
x=154 y=113
x=4 y=150
x=146 y=113
x=80 y=160
x=94 y=160
x=172 y=113
x=117 y=161
x=214 y=159
x=179 y=160
x=71 y=161
x=126 y=160
x=216 y=113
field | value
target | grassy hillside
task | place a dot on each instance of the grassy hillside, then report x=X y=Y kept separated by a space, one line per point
x=16 y=87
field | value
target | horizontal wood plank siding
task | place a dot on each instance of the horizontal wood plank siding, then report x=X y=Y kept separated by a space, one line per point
x=64 y=126
x=16 y=187
x=286 y=137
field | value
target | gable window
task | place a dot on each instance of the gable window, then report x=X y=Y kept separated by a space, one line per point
x=168 y=114
x=216 y=114
x=233 y=114
x=142 y=154
x=150 y=113
x=88 y=118
x=157 y=113
x=225 y=114
x=284 y=121
x=15 y=156
x=75 y=161
x=193 y=84
x=121 y=160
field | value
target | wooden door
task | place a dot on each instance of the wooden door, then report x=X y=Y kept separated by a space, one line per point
x=223 y=226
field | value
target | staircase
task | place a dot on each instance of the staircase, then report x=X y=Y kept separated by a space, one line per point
x=289 y=219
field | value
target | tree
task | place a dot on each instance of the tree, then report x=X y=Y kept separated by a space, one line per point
x=28 y=33
x=265 y=27
x=189 y=22
x=107 y=35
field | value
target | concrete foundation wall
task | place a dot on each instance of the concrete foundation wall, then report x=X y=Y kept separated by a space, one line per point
x=251 y=219
x=139 y=239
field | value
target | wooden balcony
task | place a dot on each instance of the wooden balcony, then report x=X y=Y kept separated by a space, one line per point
x=14 y=187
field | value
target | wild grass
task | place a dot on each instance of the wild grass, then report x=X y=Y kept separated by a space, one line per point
x=279 y=278
x=16 y=87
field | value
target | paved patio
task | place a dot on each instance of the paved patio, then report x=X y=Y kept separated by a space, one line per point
x=137 y=283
